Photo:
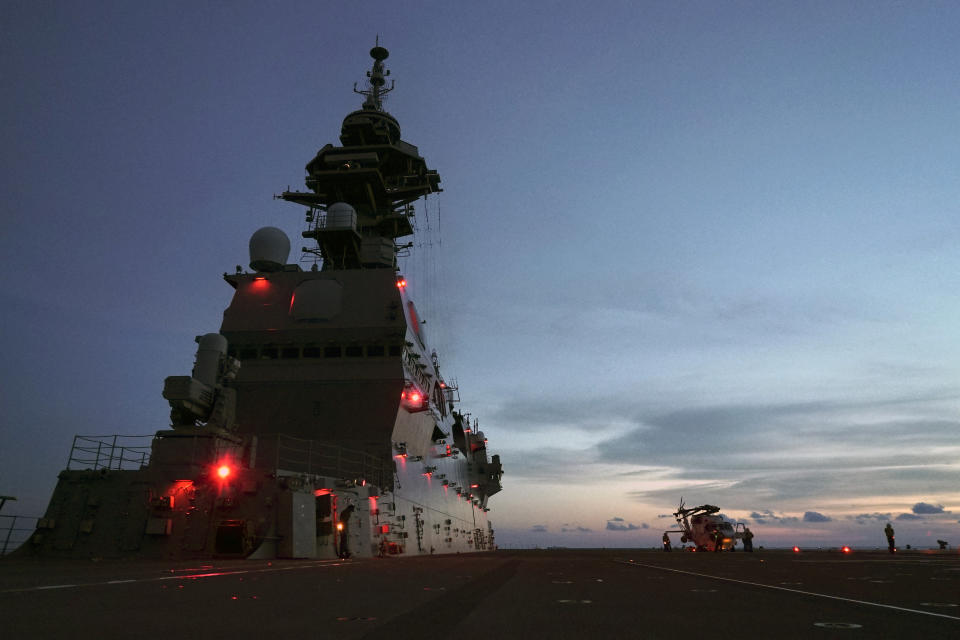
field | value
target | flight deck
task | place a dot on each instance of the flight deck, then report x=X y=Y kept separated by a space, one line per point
x=553 y=593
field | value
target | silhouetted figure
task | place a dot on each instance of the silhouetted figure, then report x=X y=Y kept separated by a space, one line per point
x=666 y=542
x=747 y=539
x=717 y=541
x=888 y=531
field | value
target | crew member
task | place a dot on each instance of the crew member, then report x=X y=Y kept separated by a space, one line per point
x=747 y=539
x=888 y=531
x=717 y=541
x=666 y=542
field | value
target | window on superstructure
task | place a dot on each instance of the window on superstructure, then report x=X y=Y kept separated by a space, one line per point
x=312 y=352
x=290 y=352
x=353 y=351
x=332 y=352
x=375 y=350
x=248 y=353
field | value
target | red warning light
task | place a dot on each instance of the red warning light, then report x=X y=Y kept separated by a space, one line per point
x=413 y=399
x=796 y=549
x=401 y=283
x=845 y=549
x=223 y=471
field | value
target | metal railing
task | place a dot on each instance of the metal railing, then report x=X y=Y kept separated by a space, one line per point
x=287 y=453
x=109 y=452
x=11 y=535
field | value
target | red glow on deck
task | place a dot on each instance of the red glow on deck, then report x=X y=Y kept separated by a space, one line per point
x=321 y=492
x=223 y=471
x=796 y=549
x=260 y=283
x=846 y=549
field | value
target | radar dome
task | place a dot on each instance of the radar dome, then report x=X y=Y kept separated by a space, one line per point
x=269 y=249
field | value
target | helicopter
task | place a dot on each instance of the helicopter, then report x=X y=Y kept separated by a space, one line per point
x=699 y=526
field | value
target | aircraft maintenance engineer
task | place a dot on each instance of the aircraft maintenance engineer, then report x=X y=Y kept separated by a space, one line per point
x=747 y=539
x=888 y=531
x=666 y=542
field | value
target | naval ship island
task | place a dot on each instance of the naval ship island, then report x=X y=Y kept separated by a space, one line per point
x=316 y=423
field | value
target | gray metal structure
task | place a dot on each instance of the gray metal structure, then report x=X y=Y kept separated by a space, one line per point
x=316 y=423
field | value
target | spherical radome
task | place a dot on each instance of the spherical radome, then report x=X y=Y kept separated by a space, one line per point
x=269 y=249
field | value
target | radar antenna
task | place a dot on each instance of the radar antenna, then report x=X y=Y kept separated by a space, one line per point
x=377 y=78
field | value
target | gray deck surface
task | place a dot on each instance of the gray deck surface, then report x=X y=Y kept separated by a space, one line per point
x=507 y=594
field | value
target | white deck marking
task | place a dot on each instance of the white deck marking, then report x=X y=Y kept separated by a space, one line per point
x=52 y=586
x=806 y=593
x=211 y=573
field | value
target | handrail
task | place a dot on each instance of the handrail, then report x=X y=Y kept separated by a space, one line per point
x=9 y=542
x=109 y=452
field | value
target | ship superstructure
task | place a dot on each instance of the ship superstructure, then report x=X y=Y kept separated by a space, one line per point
x=316 y=423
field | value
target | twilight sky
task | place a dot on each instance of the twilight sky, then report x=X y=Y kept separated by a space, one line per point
x=685 y=248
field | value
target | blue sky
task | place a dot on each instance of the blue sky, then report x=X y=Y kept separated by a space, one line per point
x=686 y=248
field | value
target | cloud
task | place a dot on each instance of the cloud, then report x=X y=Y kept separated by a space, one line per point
x=909 y=516
x=569 y=528
x=619 y=524
x=864 y=518
x=538 y=528
x=924 y=508
x=779 y=452
x=769 y=517
x=813 y=516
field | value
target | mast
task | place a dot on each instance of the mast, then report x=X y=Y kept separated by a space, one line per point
x=361 y=193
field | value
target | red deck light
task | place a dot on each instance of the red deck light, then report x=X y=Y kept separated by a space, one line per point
x=413 y=399
x=401 y=283
x=845 y=549
x=796 y=549
x=223 y=471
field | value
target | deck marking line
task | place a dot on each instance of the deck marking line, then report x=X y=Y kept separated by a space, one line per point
x=54 y=586
x=209 y=574
x=806 y=593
